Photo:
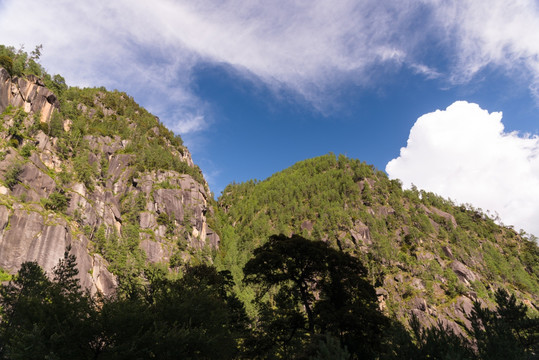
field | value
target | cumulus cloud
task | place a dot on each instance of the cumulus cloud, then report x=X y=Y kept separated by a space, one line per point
x=464 y=153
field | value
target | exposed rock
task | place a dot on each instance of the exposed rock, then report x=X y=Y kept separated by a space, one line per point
x=4 y=217
x=5 y=89
x=169 y=201
x=307 y=225
x=102 y=279
x=424 y=256
x=419 y=304
x=29 y=93
x=447 y=251
x=147 y=220
x=29 y=232
x=42 y=184
x=384 y=211
x=30 y=238
x=16 y=241
x=381 y=295
x=155 y=252
x=361 y=233
x=212 y=239
x=463 y=273
x=450 y=218
x=417 y=284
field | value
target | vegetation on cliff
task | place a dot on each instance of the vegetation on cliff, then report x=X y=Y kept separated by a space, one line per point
x=312 y=306
x=120 y=183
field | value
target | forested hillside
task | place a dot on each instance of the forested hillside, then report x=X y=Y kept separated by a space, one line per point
x=425 y=255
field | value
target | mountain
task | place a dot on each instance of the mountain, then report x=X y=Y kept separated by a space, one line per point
x=90 y=169
x=426 y=255
x=322 y=255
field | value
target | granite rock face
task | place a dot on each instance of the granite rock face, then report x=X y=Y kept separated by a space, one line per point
x=30 y=94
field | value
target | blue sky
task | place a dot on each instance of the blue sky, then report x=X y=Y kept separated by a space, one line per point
x=441 y=94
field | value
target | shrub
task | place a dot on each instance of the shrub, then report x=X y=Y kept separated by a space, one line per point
x=56 y=126
x=7 y=63
x=56 y=202
x=12 y=175
x=26 y=150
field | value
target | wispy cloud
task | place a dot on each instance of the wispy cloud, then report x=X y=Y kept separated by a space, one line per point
x=189 y=124
x=151 y=48
x=496 y=33
x=464 y=153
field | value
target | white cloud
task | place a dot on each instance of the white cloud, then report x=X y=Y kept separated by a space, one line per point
x=150 y=49
x=307 y=46
x=495 y=32
x=190 y=124
x=463 y=153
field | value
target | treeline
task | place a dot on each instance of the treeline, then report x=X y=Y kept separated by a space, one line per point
x=312 y=301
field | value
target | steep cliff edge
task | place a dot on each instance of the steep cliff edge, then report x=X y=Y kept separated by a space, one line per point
x=92 y=170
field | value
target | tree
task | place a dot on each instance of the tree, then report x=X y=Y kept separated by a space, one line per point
x=507 y=332
x=47 y=319
x=314 y=289
x=7 y=63
x=11 y=178
x=439 y=342
x=193 y=317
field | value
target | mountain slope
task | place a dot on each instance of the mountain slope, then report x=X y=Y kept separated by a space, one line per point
x=90 y=169
x=426 y=255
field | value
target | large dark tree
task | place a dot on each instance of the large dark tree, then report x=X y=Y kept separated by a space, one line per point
x=306 y=289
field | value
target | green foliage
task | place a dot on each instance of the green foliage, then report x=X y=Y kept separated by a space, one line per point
x=56 y=84
x=335 y=198
x=57 y=201
x=85 y=169
x=507 y=332
x=26 y=150
x=4 y=275
x=21 y=62
x=11 y=177
x=196 y=316
x=7 y=63
x=56 y=125
x=439 y=342
x=46 y=319
x=165 y=220
x=329 y=348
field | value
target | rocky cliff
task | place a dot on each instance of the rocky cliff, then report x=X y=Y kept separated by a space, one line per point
x=29 y=93
x=99 y=174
